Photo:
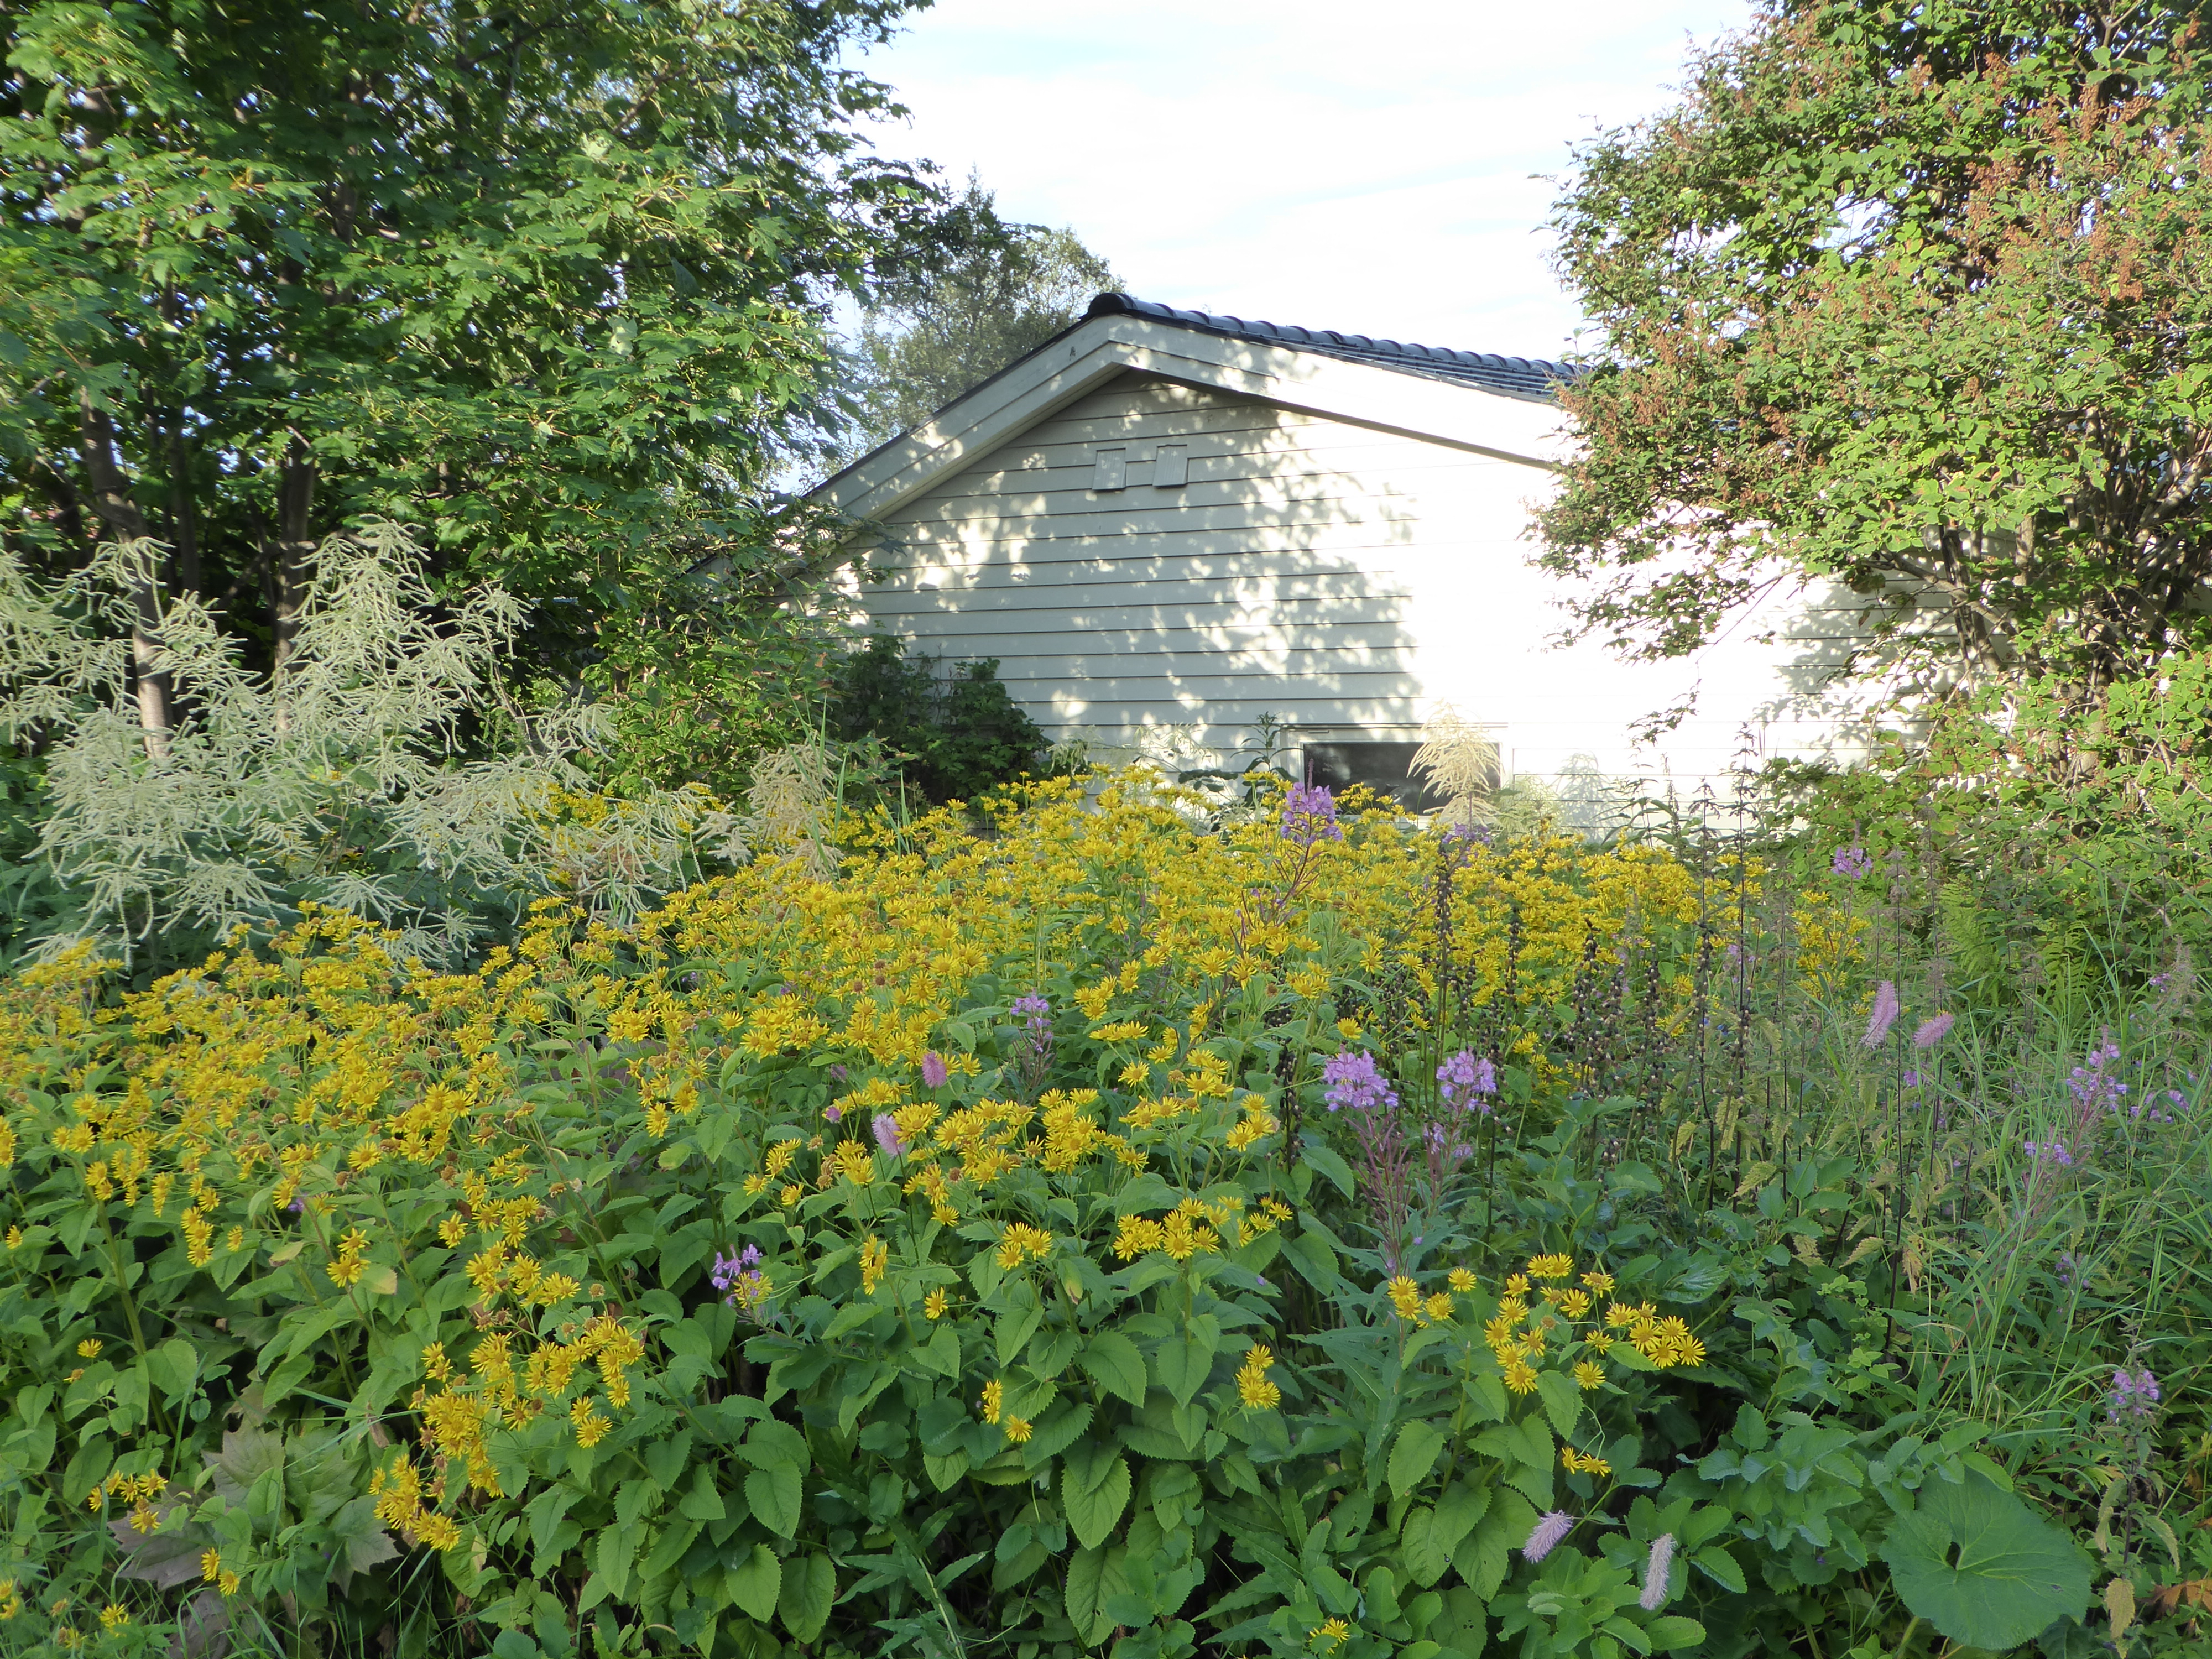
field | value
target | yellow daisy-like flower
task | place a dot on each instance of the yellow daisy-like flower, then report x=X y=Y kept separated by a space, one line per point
x=933 y=1304
x=1587 y=1375
x=993 y=1401
x=1438 y=1307
x=1017 y=1429
x=114 y=1616
x=1575 y=1304
x=89 y=1348
x=227 y=1584
x=1519 y=1376
x=1599 y=1281
x=1460 y=1280
x=1518 y=1285
x=1551 y=1266
x=1251 y=1385
x=875 y=1260
x=1576 y=1463
x=1621 y=1316
x=1405 y=1297
x=1598 y=1343
x=210 y=1565
x=1330 y=1635
x=790 y=1195
x=591 y=1428
x=451 y=1231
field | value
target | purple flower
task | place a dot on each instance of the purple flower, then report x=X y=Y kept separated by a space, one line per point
x=1034 y=1006
x=1886 y=1011
x=933 y=1070
x=1546 y=1535
x=741 y=1277
x=2050 y=1151
x=831 y=1114
x=1852 y=862
x=1654 y=1573
x=887 y=1134
x=1310 y=815
x=1463 y=1079
x=1932 y=1031
x=2135 y=1397
x=1354 y=1081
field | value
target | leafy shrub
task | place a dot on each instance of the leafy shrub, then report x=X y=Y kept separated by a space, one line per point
x=1088 y=1235
x=957 y=730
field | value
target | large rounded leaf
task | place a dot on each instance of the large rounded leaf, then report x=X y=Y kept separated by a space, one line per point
x=1981 y=1568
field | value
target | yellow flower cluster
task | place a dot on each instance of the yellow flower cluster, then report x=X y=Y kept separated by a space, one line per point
x=1253 y=1387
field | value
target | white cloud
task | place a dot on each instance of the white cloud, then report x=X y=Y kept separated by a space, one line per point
x=1366 y=167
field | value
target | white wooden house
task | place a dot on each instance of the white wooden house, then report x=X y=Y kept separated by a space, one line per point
x=1164 y=524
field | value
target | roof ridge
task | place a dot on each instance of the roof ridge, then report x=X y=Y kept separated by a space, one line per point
x=1531 y=378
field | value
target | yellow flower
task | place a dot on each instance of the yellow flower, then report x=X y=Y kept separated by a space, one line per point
x=1348 y=1030
x=1518 y=1285
x=790 y=1195
x=1601 y=1283
x=1587 y=1375
x=1439 y=1306
x=14 y=1242
x=227 y=1584
x=1017 y=1429
x=875 y=1258
x=591 y=1428
x=114 y=1616
x=1576 y=1463
x=89 y=1348
x=11 y=1602
x=933 y=1304
x=993 y=1401
x=210 y=1565
x=1460 y=1280
x=1021 y=1242
x=1619 y=1316
x=1519 y=1376
x=1575 y=1304
x=1551 y=1266
x=1137 y=1237
x=1405 y=1297
x=451 y=1231
x=1330 y=1635
x=1251 y=1385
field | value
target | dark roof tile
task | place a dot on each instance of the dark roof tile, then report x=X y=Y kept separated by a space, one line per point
x=1532 y=378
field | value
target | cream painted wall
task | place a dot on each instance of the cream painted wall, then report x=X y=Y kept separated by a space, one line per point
x=1348 y=580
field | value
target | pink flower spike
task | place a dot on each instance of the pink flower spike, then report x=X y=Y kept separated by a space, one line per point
x=1932 y=1031
x=935 y=1070
x=887 y=1134
x=1886 y=1011
x=1548 y=1532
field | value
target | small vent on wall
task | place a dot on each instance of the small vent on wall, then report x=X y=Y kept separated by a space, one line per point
x=1110 y=469
x=1170 y=465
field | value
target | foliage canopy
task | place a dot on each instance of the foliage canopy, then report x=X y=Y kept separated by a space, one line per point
x=1914 y=297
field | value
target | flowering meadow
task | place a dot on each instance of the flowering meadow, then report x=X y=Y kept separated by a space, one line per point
x=1087 y=1225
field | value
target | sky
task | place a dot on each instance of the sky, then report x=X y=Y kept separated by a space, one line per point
x=1376 y=167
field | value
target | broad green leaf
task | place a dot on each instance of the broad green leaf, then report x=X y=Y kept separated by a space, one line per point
x=756 y=1582
x=773 y=1494
x=1672 y=1631
x=1415 y=1455
x=1717 y=1565
x=1457 y=1511
x=1094 y=1508
x=1982 y=1567
x=809 y=1591
x=1417 y=1543
x=1095 y=1576
x=1112 y=1361
x=941 y=1353
x=1563 y=1401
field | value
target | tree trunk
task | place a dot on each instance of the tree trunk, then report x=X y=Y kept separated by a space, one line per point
x=295 y=563
x=110 y=499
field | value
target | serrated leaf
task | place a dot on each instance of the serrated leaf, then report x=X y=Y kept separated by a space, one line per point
x=774 y=1495
x=1417 y=1447
x=1563 y=1401
x=1094 y=1509
x=1094 y=1577
x=1112 y=1361
x=1673 y=1631
x=1425 y=1560
x=755 y=1583
x=809 y=1591
x=1717 y=1565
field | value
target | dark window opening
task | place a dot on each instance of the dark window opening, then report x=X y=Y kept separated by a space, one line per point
x=1385 y=767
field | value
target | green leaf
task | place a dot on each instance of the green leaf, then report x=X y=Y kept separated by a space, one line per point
x=1419 y=1446
x=773 y=1494
x=809 y=1591
x=1457 y=1511
x=1319 y=1157
x=1717 y=1565
x=1055 y=1433
x=1672 y=1631
x=1981 y=1568
x=1417 y=1542
x=1112 y=1361
x=1563 y=1401
x=173 y=1366
x=755 y=1583
x=1094 y=1508
x=1094 y=1577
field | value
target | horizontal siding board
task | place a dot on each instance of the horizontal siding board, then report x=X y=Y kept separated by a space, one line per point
x=1069 y=466
x=1071 y=586
x=1218 y=682
x=1157 y=613
x=1185 y=651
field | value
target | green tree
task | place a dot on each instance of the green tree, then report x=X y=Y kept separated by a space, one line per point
x=545 y=281
x=970 y=300
x=1912 y=294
